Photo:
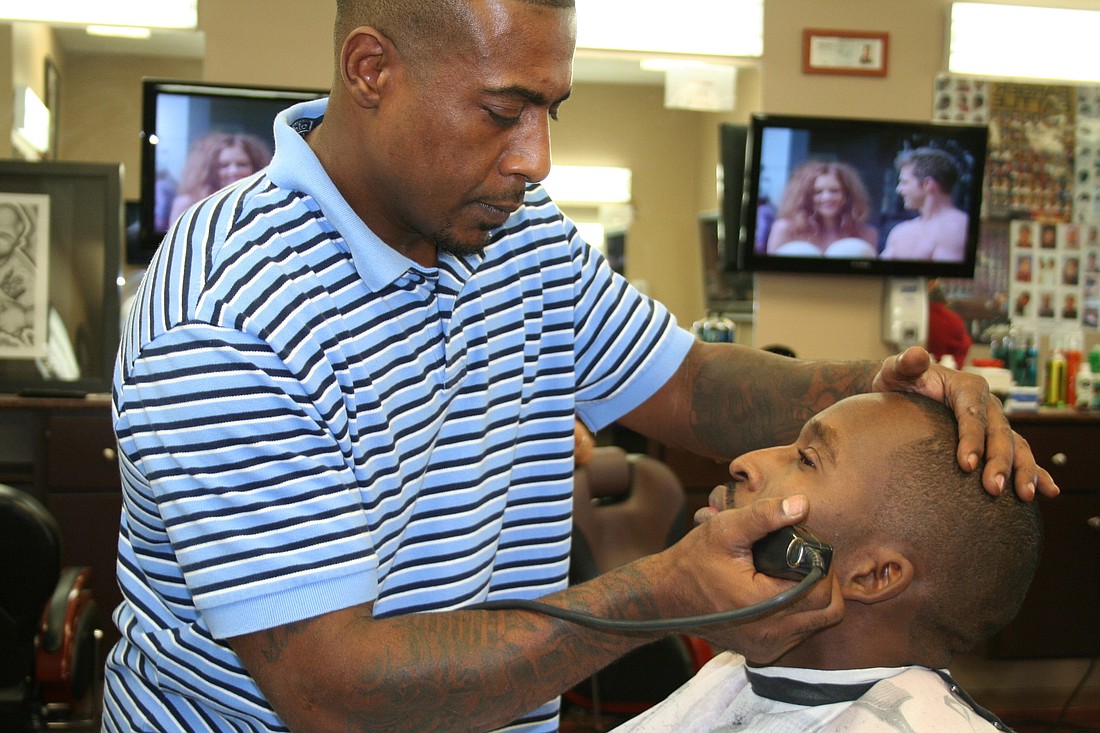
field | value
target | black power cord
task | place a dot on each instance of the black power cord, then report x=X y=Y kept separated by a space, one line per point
x=816 y=573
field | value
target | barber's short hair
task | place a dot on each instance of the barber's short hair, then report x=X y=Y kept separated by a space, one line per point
x=419 y=28
x=934 y=163
x=976 y=554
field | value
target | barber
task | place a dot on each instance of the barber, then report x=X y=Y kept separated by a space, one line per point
x=345 y=405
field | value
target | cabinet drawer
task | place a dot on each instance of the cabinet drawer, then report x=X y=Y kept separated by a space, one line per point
x=1058 y=618
x=81 y=453
x=1071 y=454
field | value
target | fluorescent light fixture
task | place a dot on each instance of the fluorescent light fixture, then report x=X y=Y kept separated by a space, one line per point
x=663 y=64
x=1024 y=42
x=149 y=13
x=693 y=27
x=32 y=120
x=118 y=31
x=586 y=184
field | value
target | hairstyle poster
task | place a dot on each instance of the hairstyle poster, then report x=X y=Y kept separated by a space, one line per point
x=1055 y=274
x=1041 y=207
x=24 y=274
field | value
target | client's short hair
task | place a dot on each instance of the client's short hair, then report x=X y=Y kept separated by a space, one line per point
x=976 y=554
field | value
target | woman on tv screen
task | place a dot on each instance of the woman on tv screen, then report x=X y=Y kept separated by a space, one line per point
x=216 y=160
x=824 y=212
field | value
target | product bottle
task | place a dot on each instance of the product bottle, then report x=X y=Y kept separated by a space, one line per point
x=1000 y=346
x=1055 y=376
x=1074 y=351
x=1084 y=387
x=1094 y=364
x=1023 y=357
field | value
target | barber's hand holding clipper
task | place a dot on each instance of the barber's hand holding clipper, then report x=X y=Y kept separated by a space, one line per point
x=713 y=567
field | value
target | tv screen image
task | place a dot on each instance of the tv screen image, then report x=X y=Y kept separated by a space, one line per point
x=857 y=196
x=197 y=138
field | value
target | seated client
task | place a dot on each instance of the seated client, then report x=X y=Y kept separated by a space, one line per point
x=928 y=563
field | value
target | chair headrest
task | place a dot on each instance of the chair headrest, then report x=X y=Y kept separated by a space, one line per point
x=30 y=558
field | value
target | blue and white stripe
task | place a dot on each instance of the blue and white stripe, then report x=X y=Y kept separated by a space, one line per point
x=303 y=426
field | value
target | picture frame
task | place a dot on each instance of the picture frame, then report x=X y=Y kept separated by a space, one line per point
x=856 y=53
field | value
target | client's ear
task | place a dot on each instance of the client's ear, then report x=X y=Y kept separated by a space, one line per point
x=877 y=574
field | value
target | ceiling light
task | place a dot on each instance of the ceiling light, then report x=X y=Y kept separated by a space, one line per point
x=158 y=14
x=696 y=27
x=1023 y=42
x=118 y=31
x=665 y=64
x=588 y=184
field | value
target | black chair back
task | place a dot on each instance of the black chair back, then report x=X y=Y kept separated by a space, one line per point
x=30 y=565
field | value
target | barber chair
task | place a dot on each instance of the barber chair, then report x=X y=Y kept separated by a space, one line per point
x=626 y=506
x=49 y=629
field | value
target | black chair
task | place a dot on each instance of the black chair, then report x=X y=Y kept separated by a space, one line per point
x=49 y=627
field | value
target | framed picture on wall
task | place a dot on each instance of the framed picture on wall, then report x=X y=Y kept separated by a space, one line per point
x=861 y=53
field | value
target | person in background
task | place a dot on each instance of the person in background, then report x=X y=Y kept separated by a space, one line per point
x=926 y=183
x=947 y=332
x=823 y=213
x=928 y=563
x=215 y=161
x=345 y=403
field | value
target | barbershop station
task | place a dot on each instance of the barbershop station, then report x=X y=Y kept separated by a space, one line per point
x=550 y=366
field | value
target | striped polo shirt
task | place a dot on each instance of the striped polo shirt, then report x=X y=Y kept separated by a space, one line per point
x=308 y=420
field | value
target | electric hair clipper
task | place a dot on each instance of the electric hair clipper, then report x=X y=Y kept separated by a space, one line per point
x=791 y=553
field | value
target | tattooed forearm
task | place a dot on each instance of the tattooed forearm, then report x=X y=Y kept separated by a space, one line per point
x=743 y=404
x=469 y=670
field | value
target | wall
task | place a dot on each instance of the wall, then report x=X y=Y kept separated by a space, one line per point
x=101 y=108
x=6 y=90
x=27 y=45
x=839 y=316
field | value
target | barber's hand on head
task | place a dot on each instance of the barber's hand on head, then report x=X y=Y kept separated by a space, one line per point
x=718 y=568
x=983 y=427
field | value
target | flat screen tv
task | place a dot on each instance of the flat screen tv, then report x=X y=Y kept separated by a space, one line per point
x=60 y=259
x=196 y=138
x=835 y=195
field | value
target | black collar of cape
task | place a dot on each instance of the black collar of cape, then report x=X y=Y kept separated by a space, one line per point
x=812 y=694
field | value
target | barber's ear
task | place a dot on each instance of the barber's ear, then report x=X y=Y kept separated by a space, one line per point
x=878 y=574
x=365 y=60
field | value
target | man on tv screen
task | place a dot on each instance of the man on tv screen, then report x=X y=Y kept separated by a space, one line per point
x=926 y=180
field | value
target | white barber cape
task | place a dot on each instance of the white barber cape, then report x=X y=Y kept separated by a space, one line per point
x=726 y=696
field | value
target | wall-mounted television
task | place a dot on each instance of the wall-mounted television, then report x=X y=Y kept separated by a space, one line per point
x=60 y=257
x=836 y=195
x=196 y=138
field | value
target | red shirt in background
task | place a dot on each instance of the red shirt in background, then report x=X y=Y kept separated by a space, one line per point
x=947 y=333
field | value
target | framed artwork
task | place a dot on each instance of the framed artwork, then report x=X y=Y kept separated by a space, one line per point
x=860 y=53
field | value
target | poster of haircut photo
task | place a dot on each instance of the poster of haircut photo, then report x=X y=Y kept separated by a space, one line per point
x=24 y=274
x=1056 y=268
